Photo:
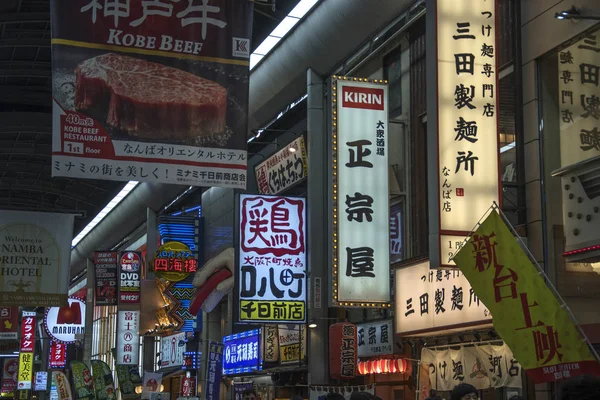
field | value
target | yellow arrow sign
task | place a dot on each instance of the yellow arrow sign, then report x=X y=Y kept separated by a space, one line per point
x=7 y=324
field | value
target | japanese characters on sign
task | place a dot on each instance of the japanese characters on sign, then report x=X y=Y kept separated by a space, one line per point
x=375 y=338
x=361 y=269
x=25 y=374
x=104 y=384
x=174 y=261
x=35 y=252
x=343 y=356
x=483 y=366
x=272 y=259
x=464 y=176
x=66 y=324
x=242 y=352
x=283 y=169
x=527 y=315
x=579 y=100
x=172 y=349
x=188 y=386
x=9 y=323
x=41 y=381
x=428 y=299
x=105 y=265
x=58 y=354
x=130 y=267
x=128 y=339
x=152 y=91
x=214 y=370
x=9 y=375
x=270 y=344
x=292 y=343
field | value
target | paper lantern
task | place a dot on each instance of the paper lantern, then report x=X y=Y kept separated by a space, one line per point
x=342 y=350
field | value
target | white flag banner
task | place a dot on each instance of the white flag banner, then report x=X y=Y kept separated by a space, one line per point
x=152 y=383
x=484 y=367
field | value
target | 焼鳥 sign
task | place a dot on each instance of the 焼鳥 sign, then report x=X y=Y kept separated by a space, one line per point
x=272 y=259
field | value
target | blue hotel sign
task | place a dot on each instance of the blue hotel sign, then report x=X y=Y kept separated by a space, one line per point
x=242 y=353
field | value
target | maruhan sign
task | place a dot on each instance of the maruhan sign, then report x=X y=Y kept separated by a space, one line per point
x=35 y=251
x=66 y=324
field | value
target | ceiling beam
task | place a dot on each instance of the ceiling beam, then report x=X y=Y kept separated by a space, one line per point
x=45 y=190
x=25 y=119
x=25 y=64
x=25 y=73
x=24 y=43
x=25 y=97
x=24 y=17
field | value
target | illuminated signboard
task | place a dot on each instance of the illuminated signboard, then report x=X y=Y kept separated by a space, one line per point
x=25 y=373
x=242 y=353
x=130 y=264
x=434 y=300
x=128 y=338
x=174 y=261
x=66 y=324
x=172 y=349
x=361 y=222
x=463 y=142
x=272 y=270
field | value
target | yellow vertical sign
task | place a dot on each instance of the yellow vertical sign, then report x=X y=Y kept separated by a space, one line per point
x=25 y=371
x=526 y=314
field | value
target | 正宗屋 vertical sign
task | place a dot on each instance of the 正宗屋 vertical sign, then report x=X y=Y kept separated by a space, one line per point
x=462 y=122
x=361 y=253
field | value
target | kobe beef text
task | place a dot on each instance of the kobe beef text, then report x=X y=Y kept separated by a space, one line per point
x=166 y=42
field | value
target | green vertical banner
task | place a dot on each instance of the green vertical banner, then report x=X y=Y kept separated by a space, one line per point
x=82 y=381
x=104 y=385
x=129 y=378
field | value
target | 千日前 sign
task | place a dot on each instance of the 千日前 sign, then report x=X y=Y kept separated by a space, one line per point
x=272 y=259
x=463 y=128
x=361 y=222
x=151 y=91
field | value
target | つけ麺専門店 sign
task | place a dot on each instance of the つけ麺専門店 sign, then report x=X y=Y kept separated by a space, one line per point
x=463 y=142
x=361 y=244
x=174 y=261
x=272 y=270
x=151 y=91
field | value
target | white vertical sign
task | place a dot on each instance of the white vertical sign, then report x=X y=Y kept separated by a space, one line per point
x=128 y=338
x=464 y=181
x=578 y=79
x=361 y=253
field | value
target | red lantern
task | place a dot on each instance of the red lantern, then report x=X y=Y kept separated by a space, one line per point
x=342 y=350
x=362 y=367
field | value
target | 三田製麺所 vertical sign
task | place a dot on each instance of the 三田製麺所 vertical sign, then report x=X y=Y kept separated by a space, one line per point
x=153 y=91
x=361 y=239
x=272 y=259
x=463 y=142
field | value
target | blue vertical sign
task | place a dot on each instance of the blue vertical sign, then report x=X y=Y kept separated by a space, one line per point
x=214 y=368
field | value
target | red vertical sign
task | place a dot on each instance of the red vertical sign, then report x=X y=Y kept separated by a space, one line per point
x=58 y=353
x=28 y=333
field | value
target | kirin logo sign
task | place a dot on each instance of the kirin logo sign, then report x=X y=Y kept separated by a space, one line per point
x=362 y=97
x=64 y=324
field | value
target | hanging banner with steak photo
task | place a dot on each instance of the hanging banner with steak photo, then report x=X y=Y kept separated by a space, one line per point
x=153 y=91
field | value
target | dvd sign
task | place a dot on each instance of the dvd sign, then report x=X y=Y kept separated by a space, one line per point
x=65 y=324
x=130 y=266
